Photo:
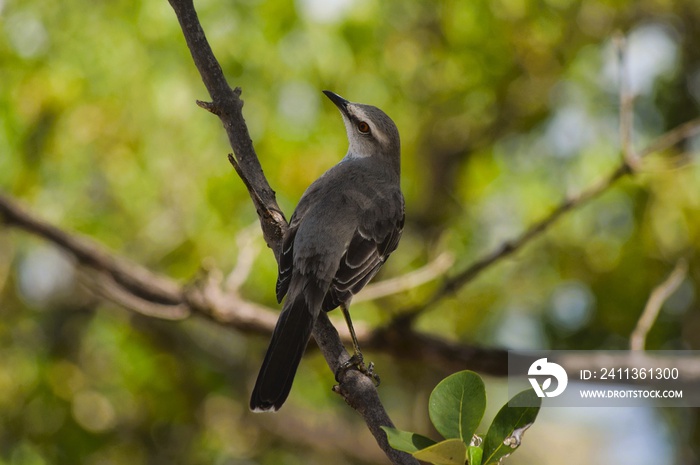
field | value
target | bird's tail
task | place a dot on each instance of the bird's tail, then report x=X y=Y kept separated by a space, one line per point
x=288 y=343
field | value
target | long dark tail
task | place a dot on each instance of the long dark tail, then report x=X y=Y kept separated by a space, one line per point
x=288 y=343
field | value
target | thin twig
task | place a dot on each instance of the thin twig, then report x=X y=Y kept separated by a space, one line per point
x=456 y=282
x=626 y=103
x=247 y=252
x=103 y=285
x=407 y=281
x=657 y=298
x=676 y=135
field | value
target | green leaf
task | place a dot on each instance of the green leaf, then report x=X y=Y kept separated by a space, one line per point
x=447 y=452
x=506 y=431
x=474 y=454
x=406 y=441
x=457 y=404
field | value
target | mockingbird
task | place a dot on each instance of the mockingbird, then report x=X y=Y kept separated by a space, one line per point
x=343 y=230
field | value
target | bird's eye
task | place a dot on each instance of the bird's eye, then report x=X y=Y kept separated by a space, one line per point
x=363 y=127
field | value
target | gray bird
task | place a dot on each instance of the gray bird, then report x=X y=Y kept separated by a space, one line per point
x=343 y=230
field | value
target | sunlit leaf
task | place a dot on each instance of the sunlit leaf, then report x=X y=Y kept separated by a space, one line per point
x=447 y=452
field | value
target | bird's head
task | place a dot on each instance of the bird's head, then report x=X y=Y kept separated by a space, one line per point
x=371 y=132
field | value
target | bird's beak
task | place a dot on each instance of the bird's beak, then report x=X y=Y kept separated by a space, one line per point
x=339 y=101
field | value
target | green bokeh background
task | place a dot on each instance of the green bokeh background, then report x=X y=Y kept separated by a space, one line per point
x=504 y=109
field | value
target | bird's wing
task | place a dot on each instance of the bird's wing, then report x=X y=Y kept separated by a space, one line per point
x=286 y=260
x=374 y=240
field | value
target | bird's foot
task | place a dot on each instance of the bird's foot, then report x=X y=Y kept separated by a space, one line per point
x=357 y=362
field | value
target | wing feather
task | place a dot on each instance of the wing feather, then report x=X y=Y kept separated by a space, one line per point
x=366 y=253
x=286 y=262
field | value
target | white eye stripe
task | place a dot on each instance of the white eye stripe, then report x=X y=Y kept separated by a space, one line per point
x=360 y=115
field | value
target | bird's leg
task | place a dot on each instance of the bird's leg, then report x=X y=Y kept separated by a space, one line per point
x=348 y=321
x=357 y=360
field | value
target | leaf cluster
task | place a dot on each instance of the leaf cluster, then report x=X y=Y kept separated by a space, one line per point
x=456 y=407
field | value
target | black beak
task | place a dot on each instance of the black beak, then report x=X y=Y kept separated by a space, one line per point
x=339 y=101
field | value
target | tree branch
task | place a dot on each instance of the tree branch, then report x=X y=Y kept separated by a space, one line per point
x=454 y=283
x=657 y=298
x=205 y=297
x=227 y=105
x=137 y=280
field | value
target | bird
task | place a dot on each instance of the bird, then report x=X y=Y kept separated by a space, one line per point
x=343 y=229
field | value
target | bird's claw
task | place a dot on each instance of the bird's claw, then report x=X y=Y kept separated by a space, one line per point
x=357 y=362
x=372 y=375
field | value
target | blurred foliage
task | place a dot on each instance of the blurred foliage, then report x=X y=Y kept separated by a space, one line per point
x=504 y=108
